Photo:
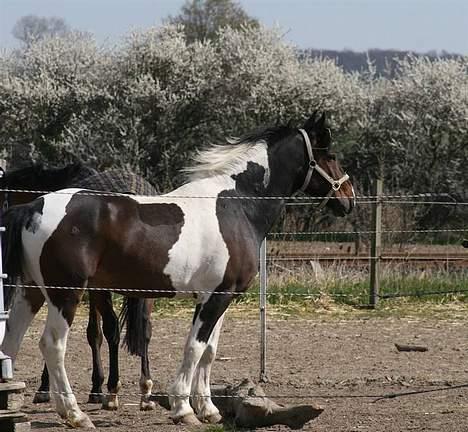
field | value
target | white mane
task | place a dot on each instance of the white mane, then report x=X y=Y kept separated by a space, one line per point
x=230 y=159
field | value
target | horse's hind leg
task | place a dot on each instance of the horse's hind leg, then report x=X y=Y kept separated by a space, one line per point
x=95 y=337
x=61 y=312
x=146 y=383
x=26 y=304
x=24 y=307
x=110 y=327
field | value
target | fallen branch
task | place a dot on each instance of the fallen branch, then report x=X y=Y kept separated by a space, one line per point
x=409 y=348
x=247 y=405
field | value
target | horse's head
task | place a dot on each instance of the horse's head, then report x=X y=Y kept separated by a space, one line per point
x=324 y=176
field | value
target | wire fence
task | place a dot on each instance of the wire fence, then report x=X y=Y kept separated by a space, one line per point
x=316 y=395
x=420 y=198
x=292 y=247
x=288 y=246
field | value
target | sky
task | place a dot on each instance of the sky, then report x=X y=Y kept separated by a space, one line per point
x=417 y=25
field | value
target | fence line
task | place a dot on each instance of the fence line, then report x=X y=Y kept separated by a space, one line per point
x=377 y=397
x=408 y=257
x=390 y=197
x=240 y=294
x=302 y=233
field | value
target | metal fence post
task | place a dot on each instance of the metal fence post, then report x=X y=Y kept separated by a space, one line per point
x=376 y=244
x=6 y=368
x=263 y=291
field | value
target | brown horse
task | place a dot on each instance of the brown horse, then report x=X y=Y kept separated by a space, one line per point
x=200 y=240
x=38 y=178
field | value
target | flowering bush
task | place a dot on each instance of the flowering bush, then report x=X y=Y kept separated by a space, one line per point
x=149 y=102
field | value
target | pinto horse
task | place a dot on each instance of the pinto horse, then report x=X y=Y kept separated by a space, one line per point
x=201 y=240
x=38 y=178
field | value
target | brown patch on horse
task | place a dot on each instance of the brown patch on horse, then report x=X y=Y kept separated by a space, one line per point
x=161 y=214
x=93 y=243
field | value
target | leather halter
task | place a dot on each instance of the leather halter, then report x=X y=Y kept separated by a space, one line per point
x=314 y=166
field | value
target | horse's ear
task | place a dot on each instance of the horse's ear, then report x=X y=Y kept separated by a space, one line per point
x=320 y=125
x=310 y=122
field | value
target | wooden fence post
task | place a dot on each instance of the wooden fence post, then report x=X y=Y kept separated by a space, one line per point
x=376 y=244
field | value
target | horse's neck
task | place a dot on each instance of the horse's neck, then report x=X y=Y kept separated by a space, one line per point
x=259 y=206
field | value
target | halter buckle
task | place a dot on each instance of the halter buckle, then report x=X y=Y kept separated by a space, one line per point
x=336 y=185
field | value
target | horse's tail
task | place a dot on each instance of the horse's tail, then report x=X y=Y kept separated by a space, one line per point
x=135 y=316
x=14 y=220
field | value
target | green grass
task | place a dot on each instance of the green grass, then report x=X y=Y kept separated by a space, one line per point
x=344 y=292
x=352 y=287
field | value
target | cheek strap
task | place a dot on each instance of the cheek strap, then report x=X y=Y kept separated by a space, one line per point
x=314 y=166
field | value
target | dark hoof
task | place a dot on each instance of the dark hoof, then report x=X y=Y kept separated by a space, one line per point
x=95 y=398
x=41 y=397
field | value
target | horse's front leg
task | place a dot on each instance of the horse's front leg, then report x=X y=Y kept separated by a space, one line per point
x=206 y=319
x=201 y=391
x=53 y=343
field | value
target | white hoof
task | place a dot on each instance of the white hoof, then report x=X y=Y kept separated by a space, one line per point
x=110 y=402
x=187 y=419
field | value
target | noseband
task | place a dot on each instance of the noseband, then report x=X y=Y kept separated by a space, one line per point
x=314 y=166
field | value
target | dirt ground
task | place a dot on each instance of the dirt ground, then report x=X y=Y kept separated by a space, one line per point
x=342 y=365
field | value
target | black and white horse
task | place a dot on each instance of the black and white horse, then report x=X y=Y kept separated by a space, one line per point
x=201 y=240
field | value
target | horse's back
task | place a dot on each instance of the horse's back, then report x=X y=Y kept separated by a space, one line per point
x=117 y=180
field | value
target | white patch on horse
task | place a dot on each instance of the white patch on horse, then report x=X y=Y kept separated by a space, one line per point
x=198 y=262
x=53 y=212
